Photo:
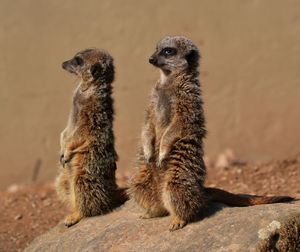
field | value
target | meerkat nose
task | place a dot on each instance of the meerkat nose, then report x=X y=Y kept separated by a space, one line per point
x=152 y=60
x=64 y=65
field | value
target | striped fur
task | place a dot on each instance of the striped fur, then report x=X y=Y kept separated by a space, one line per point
x=86 y=179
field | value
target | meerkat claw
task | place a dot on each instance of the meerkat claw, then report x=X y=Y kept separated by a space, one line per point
x=72 y=219
x=176 y=224
x=62 y=160
x=148 y=160
x=145 y=216
x=148 y=157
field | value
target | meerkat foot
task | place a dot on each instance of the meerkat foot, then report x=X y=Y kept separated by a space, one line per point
x=72 y=219
x=153 y=214
x=177 y=223
x=147 y=216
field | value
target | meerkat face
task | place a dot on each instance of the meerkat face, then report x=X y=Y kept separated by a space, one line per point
x=175 y=54
x=91 y=65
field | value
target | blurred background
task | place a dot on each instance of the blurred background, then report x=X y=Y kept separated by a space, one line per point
x=250 y=74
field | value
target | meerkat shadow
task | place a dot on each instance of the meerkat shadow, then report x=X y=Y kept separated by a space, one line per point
x=214 y=206
x=210 y=210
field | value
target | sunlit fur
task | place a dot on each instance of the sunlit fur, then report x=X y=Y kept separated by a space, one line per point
x=171 y=171
x=86 y=179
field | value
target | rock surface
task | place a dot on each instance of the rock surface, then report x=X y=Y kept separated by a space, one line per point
x=257 y=228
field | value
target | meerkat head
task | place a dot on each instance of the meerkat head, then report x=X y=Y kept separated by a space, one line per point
x=175 y=54
x=91 y=65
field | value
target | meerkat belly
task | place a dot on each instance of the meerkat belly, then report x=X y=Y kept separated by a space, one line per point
x=163 y=108
x=162 y=113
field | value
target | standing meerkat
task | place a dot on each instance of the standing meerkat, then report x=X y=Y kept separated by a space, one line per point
x=171 y=171
x=86 y=180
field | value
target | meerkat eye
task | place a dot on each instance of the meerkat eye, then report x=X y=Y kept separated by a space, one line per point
x=78 y=61
x=168 y=51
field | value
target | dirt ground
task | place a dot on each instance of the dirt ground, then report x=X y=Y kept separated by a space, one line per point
x=27 y=212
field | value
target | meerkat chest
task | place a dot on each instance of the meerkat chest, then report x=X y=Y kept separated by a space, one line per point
x=163 y=107
x=80 y=102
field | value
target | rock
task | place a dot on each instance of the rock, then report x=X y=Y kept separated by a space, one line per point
x=225 y=159
x=18 y=216
x=256 y=228
x=14 y=188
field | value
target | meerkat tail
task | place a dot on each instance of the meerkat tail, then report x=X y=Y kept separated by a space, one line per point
x=231 y=199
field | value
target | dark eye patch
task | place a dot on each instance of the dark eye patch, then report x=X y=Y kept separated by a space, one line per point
x=168 y=51
x=78 y=61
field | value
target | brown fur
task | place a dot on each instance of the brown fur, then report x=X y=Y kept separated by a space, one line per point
x=232 y=199
x=86 y=180
x=171 y=171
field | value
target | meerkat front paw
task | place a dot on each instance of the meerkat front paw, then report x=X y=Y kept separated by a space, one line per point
x=62 y=160
x=161 y=159
x=66 y=157
x=148 y=155
x=72 y=219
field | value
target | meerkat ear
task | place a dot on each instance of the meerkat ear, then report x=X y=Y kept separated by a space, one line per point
x=96 y=70
x=110 y=73
x=193 y=57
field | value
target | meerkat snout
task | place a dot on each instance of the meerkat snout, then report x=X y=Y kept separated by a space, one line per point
x=73 y=65
x=152 y=60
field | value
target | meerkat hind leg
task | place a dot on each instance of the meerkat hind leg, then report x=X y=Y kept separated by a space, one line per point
x=176 y=221
x=76 y=214
x=62 y=186
x=182 y=196
x=145 y=192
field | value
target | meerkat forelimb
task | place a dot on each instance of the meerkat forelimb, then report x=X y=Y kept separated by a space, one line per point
x=148 y=138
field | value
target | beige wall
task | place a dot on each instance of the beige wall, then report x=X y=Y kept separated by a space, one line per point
x=250 y=73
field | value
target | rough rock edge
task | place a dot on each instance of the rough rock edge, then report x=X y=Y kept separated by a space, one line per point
x=280 y=234
x=283 y=237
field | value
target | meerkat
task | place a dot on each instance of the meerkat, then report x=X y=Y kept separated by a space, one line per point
x=86 y=180
x=171 y=171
